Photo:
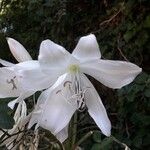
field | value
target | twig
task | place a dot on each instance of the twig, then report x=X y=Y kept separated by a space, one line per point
x=141 y=60
x=127 y=130
x=93 y=128
x=106 y=21
x=117 y=141
x=110 y=19
x=83 y=139
x=120 y=51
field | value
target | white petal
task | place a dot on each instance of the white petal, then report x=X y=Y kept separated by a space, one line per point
x=62 y=135
x=18 y=51
x=11 y=82
x=32 y=77
x=87 y=48
x=6 y=63
x=27 y=65
x=21 y=97
x=9 y=86
x=114 y=74
x=53 y=58
x=12 y=104
x=53 y=112
x=95 y=107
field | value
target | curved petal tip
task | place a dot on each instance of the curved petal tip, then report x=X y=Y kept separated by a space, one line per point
x=18 y=51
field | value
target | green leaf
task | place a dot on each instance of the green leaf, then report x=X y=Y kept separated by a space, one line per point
x=96 y=147
x=97 y=136
x=6 y=120
x=141 y=78
x=147 y=22
x=147 y=92
x=106 y=144
x=128 y=35
x=137 y=141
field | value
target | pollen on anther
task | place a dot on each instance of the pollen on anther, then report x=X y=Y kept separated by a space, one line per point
x=67 y=82
x=58 y=91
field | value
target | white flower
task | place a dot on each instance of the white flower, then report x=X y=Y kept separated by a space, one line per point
x=10 y=75
x=11 y=86
x=73 y=90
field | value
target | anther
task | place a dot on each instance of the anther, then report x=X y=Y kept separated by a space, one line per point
x=67 y=82
x=11 y=81
x=58 y=91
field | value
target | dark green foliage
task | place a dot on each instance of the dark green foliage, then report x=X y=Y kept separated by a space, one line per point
x=133 y=111
x=6 y=117
x=122 y=29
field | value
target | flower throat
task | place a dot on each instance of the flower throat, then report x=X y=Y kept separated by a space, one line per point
x=73 y=68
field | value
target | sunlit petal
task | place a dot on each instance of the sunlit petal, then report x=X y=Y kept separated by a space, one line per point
x=95 y=107
x=62 y=135
x=18 y=51
x=21 y=97
x=11 y=79
x=32 y=78
x=9 y=86
x=6 y=63
x=53 y=58
x=114 y=74
x=53 y=112
x=87 y=48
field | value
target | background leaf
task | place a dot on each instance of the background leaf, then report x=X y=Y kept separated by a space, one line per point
x=6 y=117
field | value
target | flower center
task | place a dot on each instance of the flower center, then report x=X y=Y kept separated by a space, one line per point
x=74 y=94
x=73 y=68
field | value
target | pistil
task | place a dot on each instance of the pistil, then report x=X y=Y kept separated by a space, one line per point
x=73 y=68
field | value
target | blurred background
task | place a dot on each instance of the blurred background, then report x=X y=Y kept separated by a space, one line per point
x=122 y=30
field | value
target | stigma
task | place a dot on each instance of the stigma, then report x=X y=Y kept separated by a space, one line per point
x=73 y=68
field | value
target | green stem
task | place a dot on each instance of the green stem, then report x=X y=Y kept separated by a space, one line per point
x=83 y=139
x=73 y=130
x=72 y=133
x=123 y=144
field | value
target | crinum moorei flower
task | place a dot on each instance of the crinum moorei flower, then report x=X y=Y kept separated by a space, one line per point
x=10 y=76
x=11 y=86
x=73 y=90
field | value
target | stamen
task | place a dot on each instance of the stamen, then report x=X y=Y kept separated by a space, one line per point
x=82 y=103
x=67 y=82
x=58 y=91
x=11 y=81
x=80 y=100
x=73 y=94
